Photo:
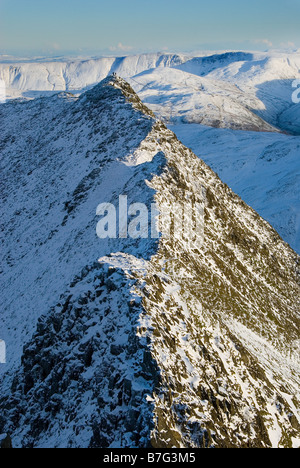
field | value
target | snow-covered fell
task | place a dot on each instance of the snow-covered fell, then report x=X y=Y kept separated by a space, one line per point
x=264 y=77
x=262 y=82
x=181 y=341
x=234 y=90
x=176 y=96
x=263 y=168
x=32 y=78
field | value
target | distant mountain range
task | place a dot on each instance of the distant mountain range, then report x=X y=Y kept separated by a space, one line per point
x=222 y=89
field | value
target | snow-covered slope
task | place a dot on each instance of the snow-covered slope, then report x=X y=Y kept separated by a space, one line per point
x=30 y=79
x=54 y=154
x=176 y=96
x=266 y=76
x=290 y=119
x=182 y=341
x=263 y=168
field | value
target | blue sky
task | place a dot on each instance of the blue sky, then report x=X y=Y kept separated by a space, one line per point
x=121 y=27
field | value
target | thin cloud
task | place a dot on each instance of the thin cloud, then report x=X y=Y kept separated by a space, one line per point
x=264 y=42
x=121 y=47
x=288 y=45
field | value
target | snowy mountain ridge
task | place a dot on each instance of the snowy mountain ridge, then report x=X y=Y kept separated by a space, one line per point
x=242 y=91
x=169 y=342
